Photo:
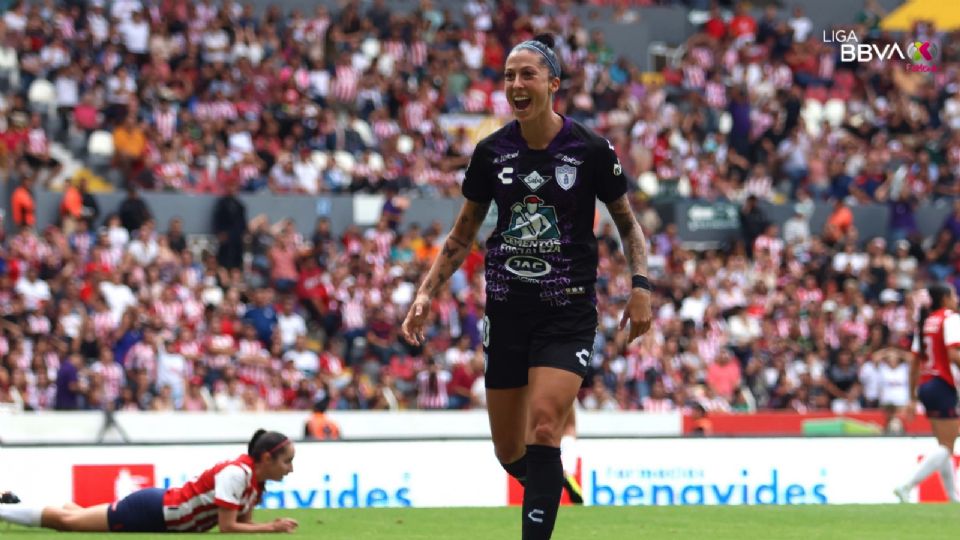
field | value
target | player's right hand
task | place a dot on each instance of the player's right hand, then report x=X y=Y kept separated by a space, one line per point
x=412 y=328
x=284 y=525
x=910 y=411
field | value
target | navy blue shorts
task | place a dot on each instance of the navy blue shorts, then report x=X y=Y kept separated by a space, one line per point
x=141 y=511
x=939 y=398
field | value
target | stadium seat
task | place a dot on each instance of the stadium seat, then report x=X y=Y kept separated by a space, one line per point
x=812 y=113
x=649 y=183
x=366 y=134
x=834 y=111
x=100 y=144
x=725 y=123
x=404 y=144
x=345 y=161
x=42 y=96
x=370 y=48
x=320 y=159
x=375 y=162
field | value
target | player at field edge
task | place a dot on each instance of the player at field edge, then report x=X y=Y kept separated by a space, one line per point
x=223 y=496
x=545 y=172
x=935 y=348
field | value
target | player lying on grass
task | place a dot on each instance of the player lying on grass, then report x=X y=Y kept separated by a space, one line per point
x=222 y=496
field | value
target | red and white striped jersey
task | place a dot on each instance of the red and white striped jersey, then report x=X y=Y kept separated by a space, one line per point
x=37 y=142
x=193 y=507
x=941 y=331
x=716 y=94
x=165 y=123
x=346 y=81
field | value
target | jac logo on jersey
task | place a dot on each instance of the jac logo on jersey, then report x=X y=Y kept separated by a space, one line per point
x=98 y=484
x=527 y=266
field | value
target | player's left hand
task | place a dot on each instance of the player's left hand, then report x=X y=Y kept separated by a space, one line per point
x=638 y=312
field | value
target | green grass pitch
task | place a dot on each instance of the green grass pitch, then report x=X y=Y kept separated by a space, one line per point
x=895 y=522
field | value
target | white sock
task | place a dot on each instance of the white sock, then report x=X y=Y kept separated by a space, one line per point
x=21 y=515
x=931 y=462
x=569 y=454
x=947 y=473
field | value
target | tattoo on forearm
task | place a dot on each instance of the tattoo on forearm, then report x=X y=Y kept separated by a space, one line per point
x=631 y=235
x=455 y=249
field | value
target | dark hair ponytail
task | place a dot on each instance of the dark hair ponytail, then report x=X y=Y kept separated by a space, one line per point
x=265 y=442
x=939 y=292
x=547 y=39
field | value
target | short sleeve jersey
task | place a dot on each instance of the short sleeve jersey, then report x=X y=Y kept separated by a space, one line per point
x=941 y=331
x=543 y=247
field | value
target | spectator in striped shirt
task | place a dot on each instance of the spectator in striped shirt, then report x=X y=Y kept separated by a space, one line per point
x=223 y=496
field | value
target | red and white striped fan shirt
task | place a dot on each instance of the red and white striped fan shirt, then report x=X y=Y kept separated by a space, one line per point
x=165 y=123
x=37 y=142
x=346 y=81
x=194 y=506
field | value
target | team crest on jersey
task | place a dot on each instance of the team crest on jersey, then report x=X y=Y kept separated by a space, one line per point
x=534 y=180
x=531 y=220
x=566 y=176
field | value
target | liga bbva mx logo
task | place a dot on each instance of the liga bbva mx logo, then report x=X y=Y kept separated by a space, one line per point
x=922 y=52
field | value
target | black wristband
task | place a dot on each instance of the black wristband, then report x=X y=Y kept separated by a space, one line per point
x=640 y=282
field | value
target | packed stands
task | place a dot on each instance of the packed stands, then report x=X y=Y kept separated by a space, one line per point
x=111 y=309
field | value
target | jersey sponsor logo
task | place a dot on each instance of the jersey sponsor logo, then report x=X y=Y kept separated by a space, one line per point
x=567 y=159
x=566 y=176
x=534 y=180
x=505 y=157
x=531 y=220
x=528 y=266
x=503 y=175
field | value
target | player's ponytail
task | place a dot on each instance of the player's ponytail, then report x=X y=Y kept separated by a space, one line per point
x=266 y=442
x=547 y=39
x=924 y=313
x=939 y=292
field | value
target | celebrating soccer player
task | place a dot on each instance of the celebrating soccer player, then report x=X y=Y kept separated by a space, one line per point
x=545 y=172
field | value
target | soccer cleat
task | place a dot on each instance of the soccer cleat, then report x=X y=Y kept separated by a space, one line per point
x=902 y=493
x=8 y=497
x=573 y=489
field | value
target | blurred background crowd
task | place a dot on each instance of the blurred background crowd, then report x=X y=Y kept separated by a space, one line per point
x=110 y=309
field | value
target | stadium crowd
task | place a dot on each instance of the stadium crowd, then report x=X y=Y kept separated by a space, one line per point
x=201 y=98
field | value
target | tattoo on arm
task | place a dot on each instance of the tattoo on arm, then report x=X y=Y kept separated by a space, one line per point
x=631 y=235
x=455 y=248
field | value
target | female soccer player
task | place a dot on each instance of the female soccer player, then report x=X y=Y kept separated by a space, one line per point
x=935 y=345
x=223 y=495
x=545 y=172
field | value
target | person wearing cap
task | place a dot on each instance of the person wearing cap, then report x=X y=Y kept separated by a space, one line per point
x=545 y=172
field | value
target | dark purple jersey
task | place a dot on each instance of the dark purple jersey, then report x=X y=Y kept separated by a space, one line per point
x=543 y=246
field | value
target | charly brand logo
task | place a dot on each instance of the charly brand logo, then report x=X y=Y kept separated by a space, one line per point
x=917 y=56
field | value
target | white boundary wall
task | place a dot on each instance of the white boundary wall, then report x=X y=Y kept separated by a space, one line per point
x=151 y=427
x=465 y=473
